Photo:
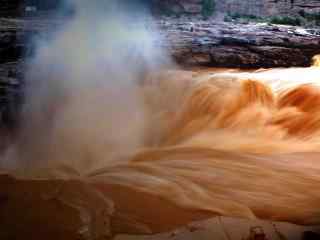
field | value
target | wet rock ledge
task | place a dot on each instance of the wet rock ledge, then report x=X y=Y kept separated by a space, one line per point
x=77 y=210
x=225 y=44
x=195 y=42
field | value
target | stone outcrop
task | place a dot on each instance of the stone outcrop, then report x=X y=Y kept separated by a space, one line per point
x=20 y=7
x=10 y=7
x=268 y=7
x=177 y=6
x=248 y=7
x=76 y=210
x=195 y=41
x=198 y=42
x=262 y=8
x=43 y=210
x=240 y=45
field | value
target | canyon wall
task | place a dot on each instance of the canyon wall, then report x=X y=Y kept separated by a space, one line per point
x=10 y=7
x=248 y=7
x=19 y=7
x=268 y=7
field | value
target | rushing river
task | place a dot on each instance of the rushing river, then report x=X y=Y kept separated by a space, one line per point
x=215 y=142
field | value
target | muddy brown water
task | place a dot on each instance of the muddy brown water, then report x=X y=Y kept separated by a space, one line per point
x=135 y=214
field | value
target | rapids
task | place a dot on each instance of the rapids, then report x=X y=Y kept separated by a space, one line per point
x=228 y=143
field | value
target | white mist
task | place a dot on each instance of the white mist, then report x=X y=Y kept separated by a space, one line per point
x=83 y=107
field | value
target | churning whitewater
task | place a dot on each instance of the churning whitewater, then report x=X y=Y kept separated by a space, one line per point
x=109 y=112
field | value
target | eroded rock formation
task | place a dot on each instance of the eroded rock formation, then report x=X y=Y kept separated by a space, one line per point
x=10 y=7
x=197 y=42
x=75 y=210
x=268 y=7
x=240 y=45
x=249 y=7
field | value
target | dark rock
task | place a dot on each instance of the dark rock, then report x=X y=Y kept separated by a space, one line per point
x=52 y=210
x=308 y=235
x=260 y=8
x=239 y=45
x=10 y=7
x=209 y=43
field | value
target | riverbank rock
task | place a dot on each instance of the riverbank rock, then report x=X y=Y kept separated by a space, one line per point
x=75 y=210
x=222 y=44
x=259 y=8
x=192 y=41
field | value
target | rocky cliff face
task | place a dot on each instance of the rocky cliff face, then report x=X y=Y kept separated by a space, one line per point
x=269 y=7
x=10 y=7
x=177 y=6
x=248 y=7
x=18 y=7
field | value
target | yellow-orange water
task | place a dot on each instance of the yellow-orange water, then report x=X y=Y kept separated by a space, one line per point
x=227 y=143
x=230 y=145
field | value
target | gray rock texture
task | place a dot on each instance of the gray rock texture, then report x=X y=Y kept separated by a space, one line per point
x=221 y=44
x=248 y=7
